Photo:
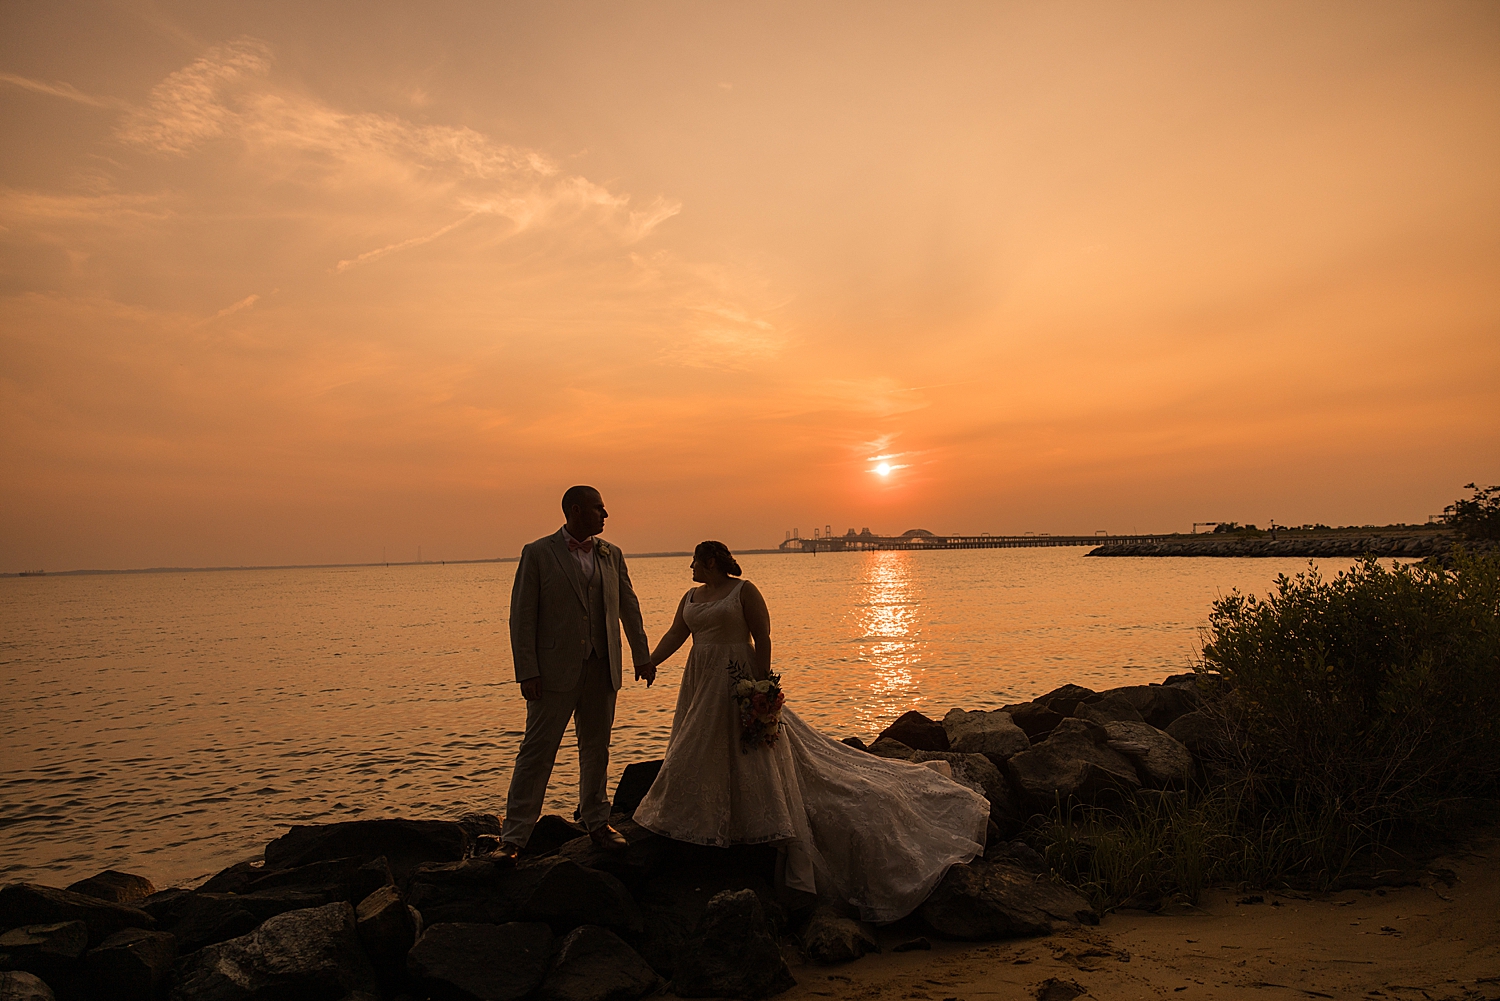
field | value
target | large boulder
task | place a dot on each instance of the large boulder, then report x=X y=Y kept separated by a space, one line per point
x=1107 y=709
x=830 y=937
x=634 y=784
x=115 y=886
x=675 y=899
x=1158 y=705
x=991 y=733
x=1202 y=734
x=19 y=986
x=732 y=953
x=387 y=929
x=480 y=962
x=594 y=964
x=350 y=879
x=34 y=904
x=918 y=732
x=474 y=890
x=1065 y=699
x=633 y=866
x=551 y=833
x=1070 y=764
x=1035 y=720
x=52 y=951
x=132 y=965
x=1160 y=761
x=992 y=900
x=310 y=955
x=405 y=844
x=202 y=919
x=566 y=895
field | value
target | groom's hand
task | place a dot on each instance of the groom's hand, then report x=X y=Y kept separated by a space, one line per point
x=531 y=689
x=645 y=672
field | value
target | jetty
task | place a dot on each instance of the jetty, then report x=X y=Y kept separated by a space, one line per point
x=920 y=538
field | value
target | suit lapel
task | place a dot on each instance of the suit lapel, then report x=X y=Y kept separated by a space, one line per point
x=570 y=566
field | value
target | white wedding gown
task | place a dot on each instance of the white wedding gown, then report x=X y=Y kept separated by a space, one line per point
x=874 y=832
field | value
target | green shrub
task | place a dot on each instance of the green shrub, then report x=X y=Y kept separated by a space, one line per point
x=1478 y=517
x=1361 y=710
x=1371 y=701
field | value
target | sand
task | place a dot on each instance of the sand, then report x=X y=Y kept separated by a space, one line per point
x=1431 y=941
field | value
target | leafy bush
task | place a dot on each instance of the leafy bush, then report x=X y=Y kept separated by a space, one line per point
x=1479 y=516
x=1361 y=710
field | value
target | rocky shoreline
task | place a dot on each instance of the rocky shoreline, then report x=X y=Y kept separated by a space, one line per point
x=1350 y=545
x=413 y=909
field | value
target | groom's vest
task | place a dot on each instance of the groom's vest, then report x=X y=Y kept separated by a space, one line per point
x=597 y=634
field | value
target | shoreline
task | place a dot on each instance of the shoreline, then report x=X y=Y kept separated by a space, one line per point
x=1350 y=545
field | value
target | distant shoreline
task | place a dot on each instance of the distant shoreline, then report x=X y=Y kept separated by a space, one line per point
x=334 y=566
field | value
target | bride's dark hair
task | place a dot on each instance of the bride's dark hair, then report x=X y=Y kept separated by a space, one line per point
x=720 y=554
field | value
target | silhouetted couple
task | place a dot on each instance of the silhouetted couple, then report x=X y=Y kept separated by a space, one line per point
x=873 y=832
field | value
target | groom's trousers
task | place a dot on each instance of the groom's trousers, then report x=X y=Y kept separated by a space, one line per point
x=591 y=706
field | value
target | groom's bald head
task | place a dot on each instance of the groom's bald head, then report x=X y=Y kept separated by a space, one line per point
x=575 y=496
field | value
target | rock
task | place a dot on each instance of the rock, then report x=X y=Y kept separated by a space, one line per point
x=132 y=965
x=1160 y=761
x=632 y=866
x=732 y=952
x=568 y=895
x=52 y=951
x=1019 y=854
x=205 y=918
x=34 y=904
x=1158 y=705
x=480 y=962
x=551 y=833
x=1108 y=709
x=634 y=784
x=476 y=824
x=387 y=929
x=235 y=878
x=855 y=743
x=309 y=954
x=405 y=844
x=1053 y=989
x=351 y=879
x=830 y=937
x=1199 y=732
x=918 y=944
x=676 y=897
x=1036 y=721
x=115 y=886
x=991 y=900
x=18 y=986
x=917 y=732
x=474 y=890
x=594 y=964
x=1069 y=765
x=1065 y=699
x=991 y=733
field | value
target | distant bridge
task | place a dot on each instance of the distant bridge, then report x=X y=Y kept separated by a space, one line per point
x=920 y=539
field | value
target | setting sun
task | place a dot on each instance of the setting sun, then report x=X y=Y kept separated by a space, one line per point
x=884 y=469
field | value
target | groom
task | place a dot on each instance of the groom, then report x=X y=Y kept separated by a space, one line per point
x=571 y=595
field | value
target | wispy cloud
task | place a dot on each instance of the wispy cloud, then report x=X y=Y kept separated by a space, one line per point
x=392 y=248
x=66 y=91
x=245 y=303
x=189 y=106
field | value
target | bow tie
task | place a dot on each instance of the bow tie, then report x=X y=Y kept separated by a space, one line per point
x=574 y=545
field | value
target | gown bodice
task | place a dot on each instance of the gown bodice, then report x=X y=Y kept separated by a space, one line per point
x=720 y=623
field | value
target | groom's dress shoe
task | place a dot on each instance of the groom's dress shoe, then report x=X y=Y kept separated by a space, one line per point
x=609 y=839
x=505 y=854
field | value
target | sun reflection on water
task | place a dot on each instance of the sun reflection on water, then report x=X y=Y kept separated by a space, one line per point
x=886 y=618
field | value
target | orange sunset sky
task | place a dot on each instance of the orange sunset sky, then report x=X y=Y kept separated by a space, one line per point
x=292 y=283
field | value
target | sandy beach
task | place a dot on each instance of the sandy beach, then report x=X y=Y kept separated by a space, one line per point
x=1434 y=941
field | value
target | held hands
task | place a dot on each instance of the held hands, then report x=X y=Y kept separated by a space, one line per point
x=646 y=672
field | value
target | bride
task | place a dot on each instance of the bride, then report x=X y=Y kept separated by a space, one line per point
x=876 y=833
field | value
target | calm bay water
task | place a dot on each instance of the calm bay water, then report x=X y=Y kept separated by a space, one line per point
x=171 y=724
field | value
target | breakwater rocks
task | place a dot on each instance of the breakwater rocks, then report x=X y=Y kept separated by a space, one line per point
x=1352 y=545
x=414 y=909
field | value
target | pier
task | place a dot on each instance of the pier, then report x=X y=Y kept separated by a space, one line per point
x=918 y=538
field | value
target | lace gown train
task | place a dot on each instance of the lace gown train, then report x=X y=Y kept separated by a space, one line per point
x=871 y=831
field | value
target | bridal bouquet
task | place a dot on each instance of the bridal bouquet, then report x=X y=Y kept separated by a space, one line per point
x=760 y=705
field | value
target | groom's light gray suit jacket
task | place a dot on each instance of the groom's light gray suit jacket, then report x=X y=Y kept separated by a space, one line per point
x=550 y=625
